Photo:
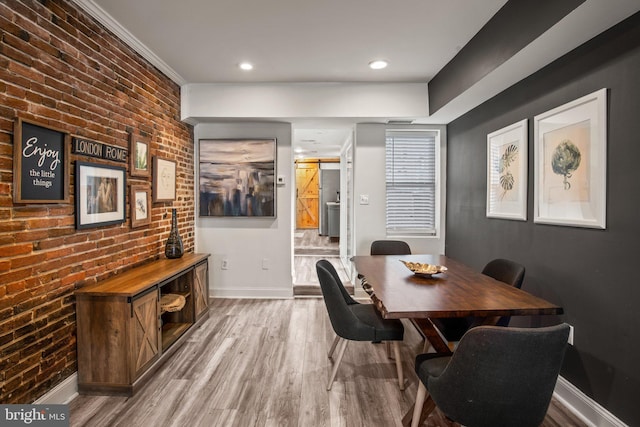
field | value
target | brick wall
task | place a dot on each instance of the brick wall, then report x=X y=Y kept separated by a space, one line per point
x=61 y=68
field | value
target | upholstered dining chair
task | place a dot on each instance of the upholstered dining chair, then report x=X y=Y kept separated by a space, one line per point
x=496 y=377
x=355 y=322
x=390 y=247
x=503 y=270
x=384 y=247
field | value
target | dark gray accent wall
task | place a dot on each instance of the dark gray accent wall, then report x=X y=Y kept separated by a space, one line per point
x=514 y=26
x=593 y=274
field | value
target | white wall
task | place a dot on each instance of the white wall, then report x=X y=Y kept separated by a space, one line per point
x=369 y=180
x=304 y=100
x=246 y=242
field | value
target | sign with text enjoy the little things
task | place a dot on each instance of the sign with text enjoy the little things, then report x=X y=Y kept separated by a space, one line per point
x=41 y=164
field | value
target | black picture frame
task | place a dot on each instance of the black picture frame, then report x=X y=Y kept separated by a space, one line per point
x=41 y=160
x=100 y=193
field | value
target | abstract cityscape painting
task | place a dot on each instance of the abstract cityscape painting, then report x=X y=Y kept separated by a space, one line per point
x=237 y=177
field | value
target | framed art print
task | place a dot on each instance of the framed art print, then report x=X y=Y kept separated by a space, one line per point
x=100 y=194
x=507 y=172
x=571 y=163
x=164 y=180
x=237 y=177
x=140 y=164
x=140 y=200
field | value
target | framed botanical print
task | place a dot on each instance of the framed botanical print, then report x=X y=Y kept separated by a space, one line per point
x=140 y=200
x=140 y=155
x=164 y=180
x=507 y=172
x=571 y=163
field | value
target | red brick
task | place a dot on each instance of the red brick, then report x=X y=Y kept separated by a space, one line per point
x=64 y=70
x=15 y=250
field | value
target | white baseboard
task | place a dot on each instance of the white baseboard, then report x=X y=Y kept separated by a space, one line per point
x=61 y=394
x=583 y=407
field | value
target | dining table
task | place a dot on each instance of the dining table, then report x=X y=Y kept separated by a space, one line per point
x=460 y=291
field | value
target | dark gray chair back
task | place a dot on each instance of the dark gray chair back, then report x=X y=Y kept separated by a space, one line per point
x=345 y=294
x=499 y=376
x=390 y=247
x=508 y=272
x=344 y=322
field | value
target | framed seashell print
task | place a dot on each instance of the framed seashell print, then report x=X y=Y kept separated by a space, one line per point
x=571 y=163
x=507 y=172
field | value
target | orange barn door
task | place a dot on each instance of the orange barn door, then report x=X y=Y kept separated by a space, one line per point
x=307 y=192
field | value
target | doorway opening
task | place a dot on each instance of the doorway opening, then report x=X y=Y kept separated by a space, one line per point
x=320 y=228
x=317 y=232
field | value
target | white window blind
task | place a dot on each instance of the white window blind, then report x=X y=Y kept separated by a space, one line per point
x=411 y=182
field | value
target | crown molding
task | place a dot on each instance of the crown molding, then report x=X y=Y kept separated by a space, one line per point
x=114 y=26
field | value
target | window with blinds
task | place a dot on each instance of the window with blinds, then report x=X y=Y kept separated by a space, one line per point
x=411 y=182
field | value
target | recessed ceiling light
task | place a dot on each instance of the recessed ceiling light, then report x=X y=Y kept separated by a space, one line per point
x=378 y=64
x=246 y=66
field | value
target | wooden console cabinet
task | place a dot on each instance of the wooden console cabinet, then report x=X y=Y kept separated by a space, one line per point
x=122 y=335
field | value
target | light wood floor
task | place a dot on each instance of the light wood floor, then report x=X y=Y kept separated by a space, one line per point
x=309 y=248
x=264 y=363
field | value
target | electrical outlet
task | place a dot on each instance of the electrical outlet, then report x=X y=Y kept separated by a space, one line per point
x=224 y=264
x=364 y=199
x=265 y=263
x=570 y=339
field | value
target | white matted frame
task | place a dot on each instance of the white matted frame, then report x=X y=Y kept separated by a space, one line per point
x=164 y=180
x=507 y=172
x=571 y=163
x=100 y=194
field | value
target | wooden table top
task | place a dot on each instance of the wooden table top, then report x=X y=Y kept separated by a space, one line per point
x=458 y=292
x=138 y=279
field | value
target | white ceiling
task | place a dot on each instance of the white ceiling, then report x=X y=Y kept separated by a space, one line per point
x=203 y=41
x=303 y=40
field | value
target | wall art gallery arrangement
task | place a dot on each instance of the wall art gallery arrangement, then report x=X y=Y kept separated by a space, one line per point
x=570 y=149
x=237 y=177
x=42 y=175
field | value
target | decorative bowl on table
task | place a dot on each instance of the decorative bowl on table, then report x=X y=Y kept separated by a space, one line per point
x=424 y=270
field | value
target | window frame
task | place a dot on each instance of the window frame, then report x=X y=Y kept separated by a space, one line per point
x=437 y=202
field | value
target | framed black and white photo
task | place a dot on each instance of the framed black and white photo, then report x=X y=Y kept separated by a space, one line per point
x=140 y=200
x=100 y=194
x=40 y=163
x=507 y=172
x=164 y=180
x=571 y=163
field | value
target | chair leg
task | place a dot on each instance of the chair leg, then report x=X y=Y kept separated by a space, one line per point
x=396 y=351
x=333 y=346
x=341 y=350
x=388 y=345
x=417 y=407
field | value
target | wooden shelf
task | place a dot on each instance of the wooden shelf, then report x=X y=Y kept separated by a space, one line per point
x=171 y=332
